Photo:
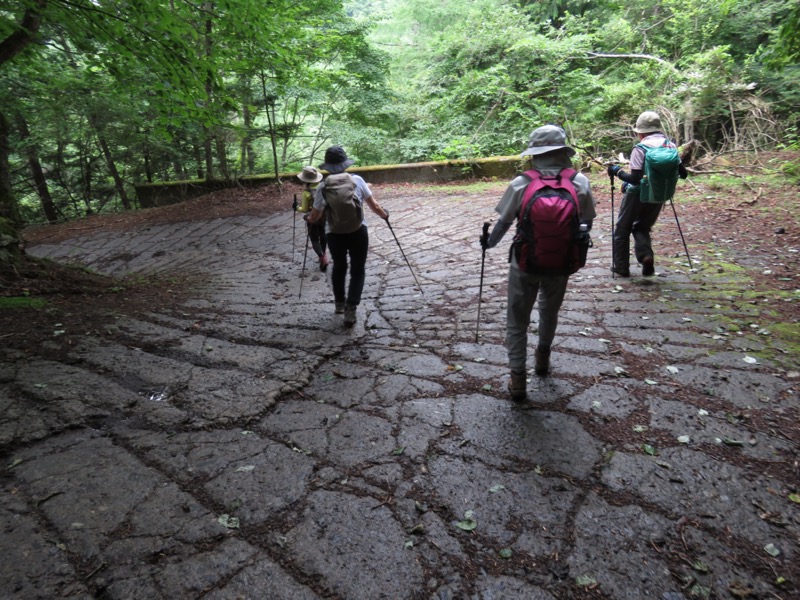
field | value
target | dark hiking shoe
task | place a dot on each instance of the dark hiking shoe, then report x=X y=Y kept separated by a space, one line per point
x=621 y=272
x=339 y=308
x=648 y=268
x=542 y=356
x=517 y=386
x=349 y=315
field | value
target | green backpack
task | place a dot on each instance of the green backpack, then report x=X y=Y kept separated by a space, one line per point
x=660 y=173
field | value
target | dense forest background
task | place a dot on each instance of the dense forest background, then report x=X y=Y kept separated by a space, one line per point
x=96 y=95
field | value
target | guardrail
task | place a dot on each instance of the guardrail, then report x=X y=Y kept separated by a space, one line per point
x=500 y=167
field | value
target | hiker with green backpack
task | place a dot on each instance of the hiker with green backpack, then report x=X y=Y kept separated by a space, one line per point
x=339 y=199
x=655 y=167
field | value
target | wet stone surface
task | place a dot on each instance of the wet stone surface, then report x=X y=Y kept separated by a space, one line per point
x=246 y=445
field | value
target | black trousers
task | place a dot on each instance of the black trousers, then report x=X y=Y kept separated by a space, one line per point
x=635 y=218
x=355 y=246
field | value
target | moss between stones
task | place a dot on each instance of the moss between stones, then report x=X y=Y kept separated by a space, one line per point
x=22 y=302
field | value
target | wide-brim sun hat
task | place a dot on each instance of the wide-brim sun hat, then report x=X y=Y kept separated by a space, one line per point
x=547 y=138
x=309 y=175
x=648 y=122
x=336 y=160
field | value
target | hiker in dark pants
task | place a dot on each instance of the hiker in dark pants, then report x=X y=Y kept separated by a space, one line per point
x=343 y=245
x=636 y=217
x=550 y=155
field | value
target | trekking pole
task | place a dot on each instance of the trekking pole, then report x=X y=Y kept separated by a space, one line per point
x=303 y=271
x=683 y=239
x=480 y=288
x=613 y=261
x=294 y=222
x=403 y=253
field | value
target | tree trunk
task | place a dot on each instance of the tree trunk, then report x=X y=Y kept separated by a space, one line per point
x=112 y=168
x=198 y=159
x=246 y=158
x=10 y=220
x=148 y=167
x=222 y=155
x=39 y=180
x=207 y=142
x=24 y=34
x=269 y=103
x=85 y=161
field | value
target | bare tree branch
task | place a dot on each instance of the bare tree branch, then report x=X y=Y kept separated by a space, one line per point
x=642 y=56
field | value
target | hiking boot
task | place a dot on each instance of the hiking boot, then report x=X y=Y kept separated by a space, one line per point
x=517 y=386
x=648 y=268
x=349 y=315
x=339 y=308
x=621 y=272
x=542 y=356
x=323 y=263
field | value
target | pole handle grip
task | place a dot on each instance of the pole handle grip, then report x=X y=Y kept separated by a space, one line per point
x=485 y=227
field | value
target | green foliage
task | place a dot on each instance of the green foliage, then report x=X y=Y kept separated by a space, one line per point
x=783 y=49
x=177 y=92
x=238 y=87
x=790 y=170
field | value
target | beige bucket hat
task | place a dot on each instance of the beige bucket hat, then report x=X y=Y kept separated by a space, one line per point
x=309 y=175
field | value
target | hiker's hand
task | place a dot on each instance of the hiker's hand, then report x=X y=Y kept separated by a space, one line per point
x=386 y=217
x=624 y=187
x=613 y=170
x=484 y=239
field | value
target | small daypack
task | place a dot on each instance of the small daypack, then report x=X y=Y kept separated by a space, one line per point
x=660 y=173
x=548 y=240
x=343 y=211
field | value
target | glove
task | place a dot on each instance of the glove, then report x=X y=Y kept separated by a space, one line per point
x=625 y=186
x=613 y=170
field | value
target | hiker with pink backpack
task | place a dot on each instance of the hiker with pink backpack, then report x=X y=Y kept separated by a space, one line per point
x=554 y=210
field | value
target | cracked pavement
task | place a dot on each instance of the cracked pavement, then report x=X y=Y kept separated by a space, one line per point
x=246 y=445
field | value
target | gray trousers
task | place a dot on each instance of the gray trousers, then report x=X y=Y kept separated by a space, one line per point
x=635 y=218
x=523 y=291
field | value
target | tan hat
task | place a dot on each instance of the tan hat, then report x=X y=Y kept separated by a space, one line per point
x=547 y=138
x=309 y=175
x=648 y=122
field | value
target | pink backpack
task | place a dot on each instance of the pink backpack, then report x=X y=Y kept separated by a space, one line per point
x=548 y=238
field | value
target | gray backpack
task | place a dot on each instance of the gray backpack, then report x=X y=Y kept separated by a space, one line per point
x=344 y=211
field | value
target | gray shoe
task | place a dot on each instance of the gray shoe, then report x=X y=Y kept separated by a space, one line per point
x=349 y=315
x=339 y=308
